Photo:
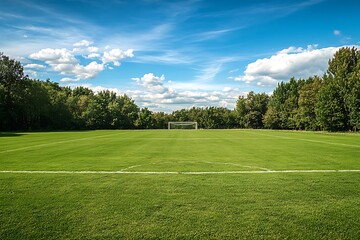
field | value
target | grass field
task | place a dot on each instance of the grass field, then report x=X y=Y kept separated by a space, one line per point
x=160 y=184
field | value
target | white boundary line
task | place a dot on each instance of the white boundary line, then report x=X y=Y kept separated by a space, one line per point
x=185 y=173
x=191 y=162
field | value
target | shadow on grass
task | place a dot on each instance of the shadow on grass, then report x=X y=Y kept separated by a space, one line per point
x=10 y=134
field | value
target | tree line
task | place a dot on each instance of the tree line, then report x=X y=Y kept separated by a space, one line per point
x=330 y=102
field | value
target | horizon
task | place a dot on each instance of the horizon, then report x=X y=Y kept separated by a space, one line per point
x=183 y=54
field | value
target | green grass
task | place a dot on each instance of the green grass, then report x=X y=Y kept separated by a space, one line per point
x=275 y=205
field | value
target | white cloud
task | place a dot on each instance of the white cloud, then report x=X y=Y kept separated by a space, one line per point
x=67 y=63
x=212 y=34
x=227 y=89
x=152 y=83
x=337 y=32
x=115 y=55
x=88 y=71
x=86 y=50
x=63 y=61
x=31 y=73
x=34 y=66
x=83 y=43
x=93 y=55
x=69 y=80
x=209 y=72
x=287 y=63
x=93 y=49
x=54 y=56
x=159 y=97
x=341 y=36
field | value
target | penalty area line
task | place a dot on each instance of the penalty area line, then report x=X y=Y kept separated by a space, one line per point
x=184 y=173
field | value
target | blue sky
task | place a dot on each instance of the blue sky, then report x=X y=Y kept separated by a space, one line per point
x=169 y=55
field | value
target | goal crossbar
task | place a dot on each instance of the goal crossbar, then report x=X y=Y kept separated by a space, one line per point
x=182 y=124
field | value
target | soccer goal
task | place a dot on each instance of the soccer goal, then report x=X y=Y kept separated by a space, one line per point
x=182 y=125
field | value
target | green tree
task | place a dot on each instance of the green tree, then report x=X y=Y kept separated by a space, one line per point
x=11 y=77
x=145 y=119
x=251 y=110
x=338 y=105
x=161 y=120
x=308 y=98
x=60 y=114
x=3 y=112
x=241 y=111
x=34 y=106
x=354 y=103
x=129 y=111
x=78 y=103
x=283 y=105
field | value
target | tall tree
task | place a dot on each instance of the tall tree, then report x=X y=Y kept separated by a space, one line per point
x=145 y=119
x=129 y=111
x=308 y=98
x=241 y=111
x=11 y=77
x=337 y=106
x=251 y=110
x=283 y=105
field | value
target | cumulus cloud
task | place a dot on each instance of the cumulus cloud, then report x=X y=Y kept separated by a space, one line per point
x=287 y=63
x=157 y=96
x=54 y=56
x=64 y=62
x=86 y=72
x=68 y=62
x=152 y=83
x=115 y=55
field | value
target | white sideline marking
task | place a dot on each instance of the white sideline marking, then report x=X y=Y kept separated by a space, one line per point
x=185 y=173
x=187 y=163
x=197 y=138
x=55 y=143
x=239 y=165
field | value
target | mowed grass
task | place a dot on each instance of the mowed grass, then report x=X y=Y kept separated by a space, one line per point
x=268 y=205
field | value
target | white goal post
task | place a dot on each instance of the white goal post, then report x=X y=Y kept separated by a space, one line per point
x=182 y=125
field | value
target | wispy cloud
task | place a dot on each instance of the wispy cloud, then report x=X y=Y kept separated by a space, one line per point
x=209 y=72
x=35 y=66
x=213 y=34
x=343 y=38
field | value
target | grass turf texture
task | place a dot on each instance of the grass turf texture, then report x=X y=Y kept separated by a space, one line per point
x=272 y=205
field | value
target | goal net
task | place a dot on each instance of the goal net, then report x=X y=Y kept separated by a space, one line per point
x=182 y=125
